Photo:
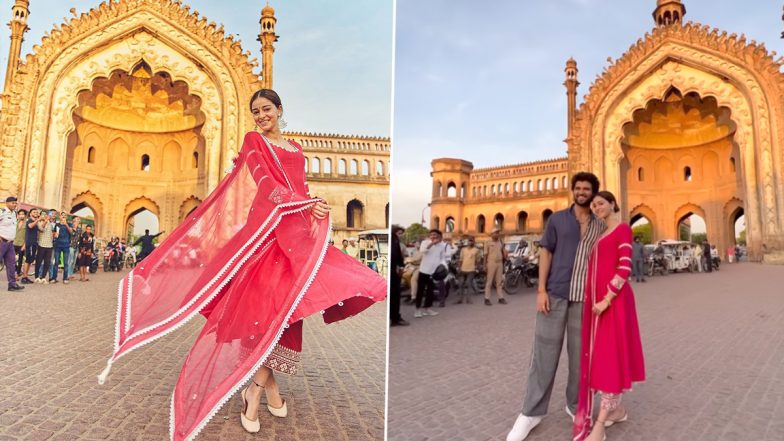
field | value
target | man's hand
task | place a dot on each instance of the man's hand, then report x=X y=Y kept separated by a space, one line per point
x=320 y=210
x=542 y=302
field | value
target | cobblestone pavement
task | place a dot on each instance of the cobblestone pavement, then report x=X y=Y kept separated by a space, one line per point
x=714 y=349
x=54 y=340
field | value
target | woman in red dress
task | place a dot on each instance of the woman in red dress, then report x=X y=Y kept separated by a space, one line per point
x=259 y=262
x=611 y=349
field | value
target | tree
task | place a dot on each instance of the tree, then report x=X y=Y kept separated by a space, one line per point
x=414 y=233
x=645 y=231
x=742 y=237
x=698 y=237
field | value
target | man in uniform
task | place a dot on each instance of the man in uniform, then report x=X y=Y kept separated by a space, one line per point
x=8 y=223
x=495 y=256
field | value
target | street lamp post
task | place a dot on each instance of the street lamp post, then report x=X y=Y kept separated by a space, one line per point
x=423 y=213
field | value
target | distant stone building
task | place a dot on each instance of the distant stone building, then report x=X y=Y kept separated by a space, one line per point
x=687 y=121
x=142 y=105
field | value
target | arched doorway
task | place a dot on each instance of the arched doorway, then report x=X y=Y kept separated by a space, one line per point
x=136 y=132
x=355 y=214
x=498 y=222
x=480 y=223
x=642 y=227
x=677 y=159
x=449 y=225
x=522 y=221
x=546 y=217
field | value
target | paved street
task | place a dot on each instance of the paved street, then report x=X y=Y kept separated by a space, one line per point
x=54 y=340
x=714 y=348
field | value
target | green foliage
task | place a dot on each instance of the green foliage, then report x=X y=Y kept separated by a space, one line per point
x=414 y=233
x=698 y=237
x=684 y=231
x=742 y=237
x=645 y=232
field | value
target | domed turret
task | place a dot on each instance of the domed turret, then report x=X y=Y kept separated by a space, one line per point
x=669 y=12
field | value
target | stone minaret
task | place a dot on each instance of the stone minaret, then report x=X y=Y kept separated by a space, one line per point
x=571 y=84
x=267 y=37
x=669 y=12
x=18 y=25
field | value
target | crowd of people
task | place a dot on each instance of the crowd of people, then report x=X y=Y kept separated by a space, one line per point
x=46 y=247
x=41 y=240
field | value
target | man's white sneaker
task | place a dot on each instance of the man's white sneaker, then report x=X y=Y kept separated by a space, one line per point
x=569 y=412
x=418 y=313
x=522 y=427
x=429 y=311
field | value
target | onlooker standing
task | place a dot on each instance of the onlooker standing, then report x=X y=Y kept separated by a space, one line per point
x=434 y=252
x=638 y=259
x=19 y=241
x=76 y=235
x=706 y=256
x=352 y=249
x=8 y=224
x=730 y=254
x=86 y=248
x=344 y=244
x=146 y=243
x=698 y=257
x=62 y=247
x=468 y=257
x=396 y=255
x=495 y=255
x=31 y=245
x=43 y=258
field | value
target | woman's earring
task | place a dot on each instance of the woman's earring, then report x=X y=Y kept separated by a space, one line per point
x=281 y=122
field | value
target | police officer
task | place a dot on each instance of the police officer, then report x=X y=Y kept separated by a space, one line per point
x=8 y=223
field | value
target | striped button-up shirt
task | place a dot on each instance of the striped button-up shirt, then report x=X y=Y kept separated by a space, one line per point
x=570 y=252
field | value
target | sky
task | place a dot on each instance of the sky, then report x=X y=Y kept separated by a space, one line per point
x=483 y=81
x=332 y=63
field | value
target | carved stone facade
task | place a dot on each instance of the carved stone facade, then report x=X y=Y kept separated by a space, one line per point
x=142 y=104
x=518 y=199
x=727 y=163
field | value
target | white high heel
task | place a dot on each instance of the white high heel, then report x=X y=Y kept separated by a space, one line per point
x=248 y=424
x=279 y=412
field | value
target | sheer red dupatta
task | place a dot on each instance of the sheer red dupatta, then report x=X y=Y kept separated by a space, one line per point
x=253 y=220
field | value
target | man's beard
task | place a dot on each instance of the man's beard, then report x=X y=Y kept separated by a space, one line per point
x=585 y=204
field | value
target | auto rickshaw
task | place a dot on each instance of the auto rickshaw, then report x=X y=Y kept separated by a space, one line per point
x=374 y=250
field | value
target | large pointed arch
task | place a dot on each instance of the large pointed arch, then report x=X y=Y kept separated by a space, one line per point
x=91 y=200
x=117 y=36
x=742 y=77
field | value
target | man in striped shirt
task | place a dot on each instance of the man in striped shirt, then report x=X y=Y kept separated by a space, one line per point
x=568 y=238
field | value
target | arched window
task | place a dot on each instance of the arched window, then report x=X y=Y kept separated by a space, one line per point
x=379 y=168
x=342 y=167
x=449 y=226
x=354 y=167
x=484 y=190
x=145 y=162
x=546 y=184
x=563 y=182
x=365 y=168
x=530 y=186
x=307 y=164
x=506 y=188
x=522 y=221
x=195 y=162
x=545 y=217
x=473 y=191
x=463 y=191
x=451 y=190
x=514 y=187
x=539 y=185
x=640 y=174
x=315 y=165
x=91 y=155
x=438 y=190
x=492 y=189
x=436 y=223
x=732 y=165
x=354 y=214
x=498 y=221
x=480 y=223
x=523 y=187
x=687 y=173
x=555 y=184
x=327 y=166
x=465 y=224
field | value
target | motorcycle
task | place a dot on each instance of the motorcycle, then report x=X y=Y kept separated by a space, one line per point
x=519 y=272
x=111 y=260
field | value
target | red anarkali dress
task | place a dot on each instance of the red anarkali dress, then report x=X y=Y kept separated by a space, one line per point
x=611 y=358
x=257 y=263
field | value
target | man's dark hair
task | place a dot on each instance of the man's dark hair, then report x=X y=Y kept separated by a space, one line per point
x=437 y=231
x=345 y=241
x=23 y=211
x=396 y=228
x=147 y=232
x=586 y=177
